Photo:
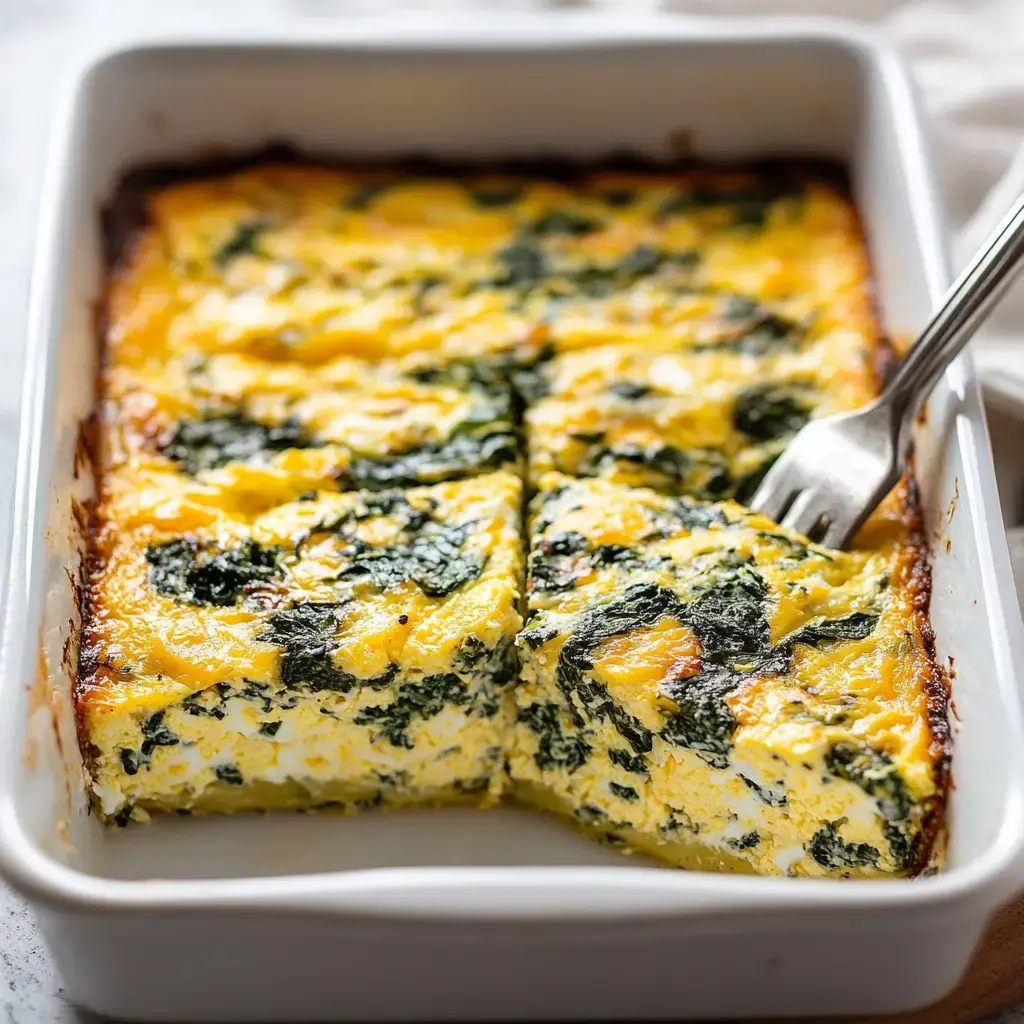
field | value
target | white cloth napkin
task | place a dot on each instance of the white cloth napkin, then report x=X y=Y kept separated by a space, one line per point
x=969 y=57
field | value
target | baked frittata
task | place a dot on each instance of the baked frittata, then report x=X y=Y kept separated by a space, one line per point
x=327 y=395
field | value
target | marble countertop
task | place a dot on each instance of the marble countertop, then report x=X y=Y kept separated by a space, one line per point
x=37 y=39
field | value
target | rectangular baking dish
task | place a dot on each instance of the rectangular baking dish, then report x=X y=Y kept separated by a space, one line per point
x=466 y=915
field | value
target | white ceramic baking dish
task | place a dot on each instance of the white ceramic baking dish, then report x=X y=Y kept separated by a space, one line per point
x=440 y=915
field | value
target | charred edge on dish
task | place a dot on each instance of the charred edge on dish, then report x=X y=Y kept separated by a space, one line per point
x=937 y=683
x=127 y=213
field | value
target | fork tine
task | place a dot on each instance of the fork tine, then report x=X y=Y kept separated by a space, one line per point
x=805 y=513
x=835 y=535
x=775 y=493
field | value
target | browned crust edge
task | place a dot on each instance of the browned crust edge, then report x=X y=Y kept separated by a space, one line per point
x=125 y=214
x=937 y=684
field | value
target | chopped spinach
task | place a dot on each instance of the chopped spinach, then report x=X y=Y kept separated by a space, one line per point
x=590 y=814
x=521 y=265
x=563 y=222
x=628 y=390
x=692 y=516
x=757 y=330
x=628 y=762
x=625 y=792
x=557 y=748
x=244 y=242
x=876 y=774
x=464 y=453
x=423 y=699
x=642 y=606
x=729 y=618
x=855 y=626
x=124 y=815
x=194 y=705
x=771 y=410
x=270 y=728
x=561 y=560
x=229 y=773
x=495 y=195
x=902 y=845
x=665 y=459
x=772 y=797
x=185 y=571
x=307 y=632
x=433 y=560
x=154 y=734
x=702 y=721
x=217 y=439
x=729 y=615
x=828 y=849
x=745 y=842
x=493 y=669
x=536 y=636
x=749 y=204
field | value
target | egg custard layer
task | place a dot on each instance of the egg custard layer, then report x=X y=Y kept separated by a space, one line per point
x=323 y=393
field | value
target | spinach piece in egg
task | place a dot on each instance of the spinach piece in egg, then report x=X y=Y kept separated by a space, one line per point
x=155 y=733
x=186 y=571
x=729 y=617
x=432 y=559
x=642 y=606
x=628 y=762
x=308 y=634
x=875 y=773
x=423 y=700
x=467 y=452
x=855 y=626
x=243 y=242
x=563 y=222
x=827 y=847
x=771 y=410
x=215 y=440
x=557 y=748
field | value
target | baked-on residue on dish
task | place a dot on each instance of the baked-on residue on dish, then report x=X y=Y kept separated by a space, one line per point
x=329 y=393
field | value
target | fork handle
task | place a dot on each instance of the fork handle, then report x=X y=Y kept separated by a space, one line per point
x=967 y=303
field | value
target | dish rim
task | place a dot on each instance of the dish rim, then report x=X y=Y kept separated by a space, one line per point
x=515 y=893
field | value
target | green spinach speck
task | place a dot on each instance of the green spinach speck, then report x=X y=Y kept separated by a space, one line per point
x=243 y=242
x=827 y=847
x=557 y=747
x=186 y=571
x=423 y=700
x=215 y=440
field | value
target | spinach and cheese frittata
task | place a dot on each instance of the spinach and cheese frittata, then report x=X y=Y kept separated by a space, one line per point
x=327 y=394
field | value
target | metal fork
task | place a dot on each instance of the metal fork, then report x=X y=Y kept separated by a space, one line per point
x=837 y=469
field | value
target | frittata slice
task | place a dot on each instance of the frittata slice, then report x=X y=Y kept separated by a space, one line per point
x=716 y=691
x=305 y=264
x=706 y=424
x=345 y=650
x=234 y=435
x=707 y=445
